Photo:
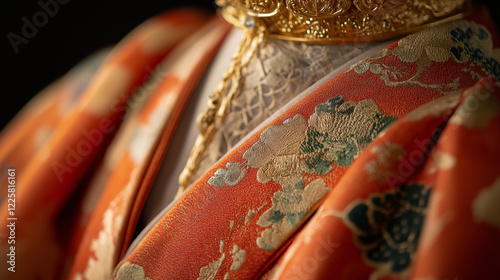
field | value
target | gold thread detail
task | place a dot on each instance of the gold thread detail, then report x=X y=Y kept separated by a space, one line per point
x=211 y=119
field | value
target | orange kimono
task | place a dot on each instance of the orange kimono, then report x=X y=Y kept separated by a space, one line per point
x=387 y=168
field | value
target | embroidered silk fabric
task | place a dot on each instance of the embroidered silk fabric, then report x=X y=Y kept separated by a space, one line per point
x=389 y=170
x=407 y=205
x=263 y=191
x=279 y=72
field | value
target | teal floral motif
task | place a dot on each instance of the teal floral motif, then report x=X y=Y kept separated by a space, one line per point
x=387 y=227
x=230 y=176
x=289 y=208
x=465 y=42
x=345 y=140
x=290 y=195
x=333 y=136
x=466 y=47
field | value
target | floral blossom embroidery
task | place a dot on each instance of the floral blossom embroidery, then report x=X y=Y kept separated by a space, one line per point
x=230 y=176
x=466 y=48
x=209 y=271
x=332 y=137
x=290 y=206
x=278 y=160
x=336 y=133
x=239 y=256
x=464 y=42
x=101 y=266
x=387 y=227
x=131 y=271
x=339 y=131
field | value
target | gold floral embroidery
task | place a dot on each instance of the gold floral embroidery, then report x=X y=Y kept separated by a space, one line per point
x=332 y=137
x=464 y=42
x=289 y=208
x=104 y=246
x=230 y=176
x=239 y=256
x=278 y=160
x=209 y=271
x=336 y=133
x=101 y=266
x=250 y=214
x=131 y=271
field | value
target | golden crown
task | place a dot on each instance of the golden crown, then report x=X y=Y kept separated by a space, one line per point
x=341 y=21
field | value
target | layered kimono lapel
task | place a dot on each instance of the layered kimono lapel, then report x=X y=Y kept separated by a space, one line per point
x=239 y=217
x=84 y=188
x=138 y=152
x=81 y=117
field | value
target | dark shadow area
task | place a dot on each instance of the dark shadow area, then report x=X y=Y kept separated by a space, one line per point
x=73 y=31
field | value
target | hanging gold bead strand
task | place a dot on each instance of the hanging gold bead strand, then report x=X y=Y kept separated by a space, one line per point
x=214 y=114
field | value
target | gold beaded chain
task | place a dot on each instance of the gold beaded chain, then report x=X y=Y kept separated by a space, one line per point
x=214 y=114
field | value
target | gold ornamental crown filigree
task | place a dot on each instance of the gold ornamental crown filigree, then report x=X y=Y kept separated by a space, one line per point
x=341 y=21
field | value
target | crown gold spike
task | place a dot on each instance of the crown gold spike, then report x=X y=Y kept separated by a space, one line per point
x=342 y=21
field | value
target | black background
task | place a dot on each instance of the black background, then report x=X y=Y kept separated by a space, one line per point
x=79 y=28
